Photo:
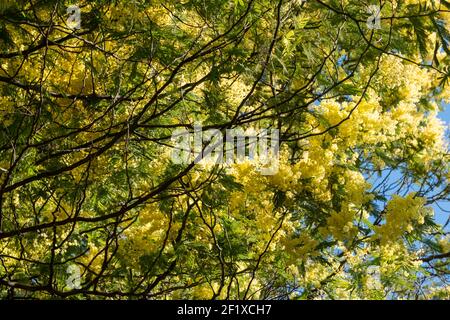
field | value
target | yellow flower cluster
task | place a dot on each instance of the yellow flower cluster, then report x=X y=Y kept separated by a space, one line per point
x=340 y=225
x=395 y=258
x=444 y=243
x=144 y=237
x=401 y=215
x=299 y=248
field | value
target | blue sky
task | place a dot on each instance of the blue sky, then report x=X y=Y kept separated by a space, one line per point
x=445 y=115
x=441 y=216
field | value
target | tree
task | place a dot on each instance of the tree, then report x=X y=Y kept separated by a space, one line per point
x=92 y=204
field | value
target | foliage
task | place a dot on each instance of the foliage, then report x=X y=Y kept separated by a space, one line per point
x=87 y=180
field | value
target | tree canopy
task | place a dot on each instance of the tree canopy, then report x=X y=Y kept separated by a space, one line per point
x=93 y=206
